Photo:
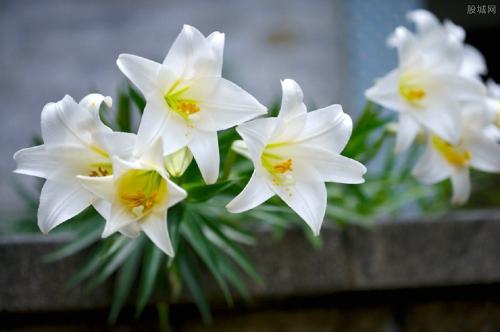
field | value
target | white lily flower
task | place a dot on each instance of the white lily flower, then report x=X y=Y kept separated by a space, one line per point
x=427 y=88
x=176 y=163
x=476 y=149
x=431 y=34
x=294 y=155
x=76 y=142
x=138 y=195
x=188 y=99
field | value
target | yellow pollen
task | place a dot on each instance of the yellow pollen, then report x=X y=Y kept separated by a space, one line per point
x=100 y=169
x=411 y=89
x=188 y=108
x=178 y=103
x=140 y=190
x=454 y=154
x=284 y=166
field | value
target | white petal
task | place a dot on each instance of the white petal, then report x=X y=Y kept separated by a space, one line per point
x=443 y=118
x=119 y=218
x=216 y=40
x=424 y=20
x=385 y=92
x=102 y=207
x=158 y=121
x=116 y=143
x=308 y=200
x=66 y=122
x=329 y=128
x=406 y=44
x=256 y=192
x=92 y=103
x=175 y=193
x=459 y=88
x=222 y=103
x=493 y=88
x=431 y=167
x=141 y=71
x=485 y=153
x=292 y=99
x=460 y=181
x=192 y=55
x=205 y=149
x=473 y=63
x=60 y=202
x=120 y=166
x=240 y=147
x=101 y=186
x=256 y=134
x=407 y=131
x=340 y=169
x=153 y=156
x=132 y=230
x=155 y=227
x=35 y=161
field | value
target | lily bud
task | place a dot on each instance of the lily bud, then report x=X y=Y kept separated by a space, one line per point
x=177 y=162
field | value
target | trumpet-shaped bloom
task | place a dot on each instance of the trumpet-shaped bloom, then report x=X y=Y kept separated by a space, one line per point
x=432 y=35
x=475 y=149
x=138 y=194
x=188 y=99
x=294 y=155
x=76 y=142
x=427 y=87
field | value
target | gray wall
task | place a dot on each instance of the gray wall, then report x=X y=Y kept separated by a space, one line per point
x=50 y=48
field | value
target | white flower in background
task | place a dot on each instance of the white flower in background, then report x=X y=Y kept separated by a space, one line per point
x=294 y=155
x=76 y=142
x=432 y=35
x=427 y=88
x=475 y=149
x=187 y=99
x=138 y=194
x=176 y=163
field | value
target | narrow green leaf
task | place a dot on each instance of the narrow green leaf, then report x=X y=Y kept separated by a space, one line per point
x=123 y=114
x=84 y=240
x=152 y=261
x=137 y=99
x=187 y=268
x=203 y=192
x=94 y=261
x=123 y=285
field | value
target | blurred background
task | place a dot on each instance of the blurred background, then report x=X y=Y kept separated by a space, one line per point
x=333 y=48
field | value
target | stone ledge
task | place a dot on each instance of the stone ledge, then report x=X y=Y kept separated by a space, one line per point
x=455 y=250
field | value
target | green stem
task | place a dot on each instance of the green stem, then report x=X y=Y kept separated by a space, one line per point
x=162 y=309
x=228 y=164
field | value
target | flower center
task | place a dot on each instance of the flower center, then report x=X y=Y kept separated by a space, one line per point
x=185 y=107
x=411 y=90
x=100 y=169
x=454 y=154
x=280 y=168
x=141 y=190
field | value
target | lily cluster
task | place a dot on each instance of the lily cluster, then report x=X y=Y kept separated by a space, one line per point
x=439 y=96
x=130 y=178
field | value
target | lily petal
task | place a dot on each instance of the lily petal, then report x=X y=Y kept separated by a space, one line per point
x=443 y=118
x=191 y=54
x=407 y=131
x=116 y=143
x=292 y=101
x=205 y=149
x=119 y=218
x=485 y=153
x=155 y=227
x=256 y=192
x=431 y=167
x=101 y=186
x=223 y=104
x=385 y=92
x=308 y=200
x=60 y=202
x=35 y=161
x=473 y=63
x=141 y=71
x=460 y=180
x=256 y=134
x=175 y=193
x=216 y=40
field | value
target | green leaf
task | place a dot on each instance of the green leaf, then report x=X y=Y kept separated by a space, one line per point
x=152 y=261
x=137 y=99
x=187 y=267
x=195 y=237
x=84 y=240
x=123 y=285
x=202 y=192
x=94 y=261
x=123 y=114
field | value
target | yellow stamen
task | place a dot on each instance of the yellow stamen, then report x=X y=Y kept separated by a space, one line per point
x=141 y=190
x=411 y=90
x=100 y=169
x=280 y=168
x=284 y=166
x=454 y=154
x=186 y=108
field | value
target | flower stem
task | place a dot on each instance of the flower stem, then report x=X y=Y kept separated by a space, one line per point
x=162 y=309
x=228 y=164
